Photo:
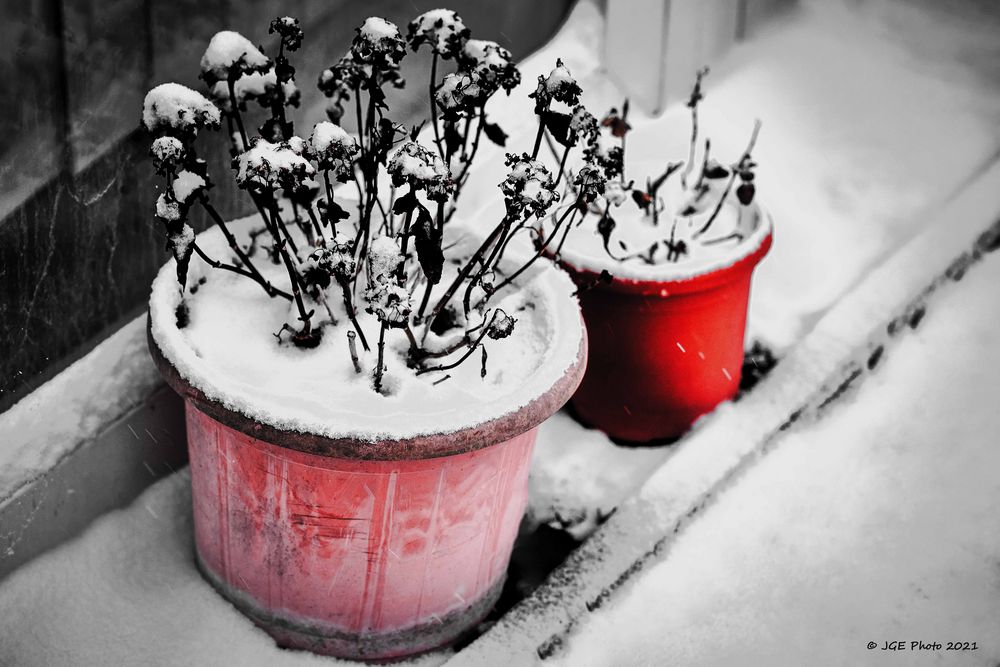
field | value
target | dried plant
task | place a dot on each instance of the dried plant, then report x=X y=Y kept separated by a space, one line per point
x=360 y=217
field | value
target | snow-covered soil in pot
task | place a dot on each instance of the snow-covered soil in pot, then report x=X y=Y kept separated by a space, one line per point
x=229 y=349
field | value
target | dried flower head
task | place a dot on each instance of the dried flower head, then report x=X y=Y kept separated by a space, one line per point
x=421 y=168
x=168 y=154
x=335 y=150
x=609 y=157
x=442 y=29
x=583 y=126
x=289 y=30
x=501 y=326
x=528 y=188
x=271 y=166
x=230 y=55
x=390 y=303
x=175 y=109
x=559 y=86
x=491 y=65
x=460 y=95
x=167 y=209
x=335 y=261
x=590 y=182
x=378 y=43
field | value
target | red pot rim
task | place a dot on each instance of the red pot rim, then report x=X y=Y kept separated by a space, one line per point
x=697 y=283
x=446 y=443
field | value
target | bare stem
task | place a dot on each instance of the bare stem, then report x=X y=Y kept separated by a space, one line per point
x=271 y=290
x=379 y=369
x=472 y=348
x=353 y=347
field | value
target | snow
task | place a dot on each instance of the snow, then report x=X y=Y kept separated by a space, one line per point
x=186 y=184
x=378 y=29
x=578 y=476
x=127 y=592
x=173 y=106
x=227 y=49
x=166 y=209
x=486 y=53
x=229 y=351
x=326 y=134
x=71 y=408
x=384 y=258
x=862 y=526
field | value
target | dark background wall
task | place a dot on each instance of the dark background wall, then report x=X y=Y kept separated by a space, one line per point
x=78 y=247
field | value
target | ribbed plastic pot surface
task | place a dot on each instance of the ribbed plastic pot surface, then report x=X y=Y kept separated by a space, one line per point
x=359 y=549
x=662 y=353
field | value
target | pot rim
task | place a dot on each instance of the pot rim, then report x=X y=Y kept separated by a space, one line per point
x=699 y=282
x=747 y=257
x=444 y=443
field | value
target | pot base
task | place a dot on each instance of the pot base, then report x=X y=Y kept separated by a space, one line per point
x=302 y=634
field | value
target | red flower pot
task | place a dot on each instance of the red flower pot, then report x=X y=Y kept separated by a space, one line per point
x=356 y=548
x=663 y=352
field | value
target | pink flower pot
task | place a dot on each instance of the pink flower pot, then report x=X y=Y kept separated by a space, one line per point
x=353 y=548
x=662 y=352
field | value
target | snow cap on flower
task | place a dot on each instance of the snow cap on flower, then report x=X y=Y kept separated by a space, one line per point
x=421 y=167
x=590 y=182
x=289 y=30
x=384 y=258
x=272 y=165
x=460 y=95
x=186 y=185
x=230 y=52
x=528 y=188
x=168 y=154
x=334 y=149
x=490 y=64
x=171 y=107
x=559 y=85
x=378 y=42
x=167 y=210
x=442 y=29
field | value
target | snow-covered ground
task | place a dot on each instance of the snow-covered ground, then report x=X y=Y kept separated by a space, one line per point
x=876 y=523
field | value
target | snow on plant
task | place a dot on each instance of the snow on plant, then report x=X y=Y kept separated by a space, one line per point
x=705 y=186
x=367 y=246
